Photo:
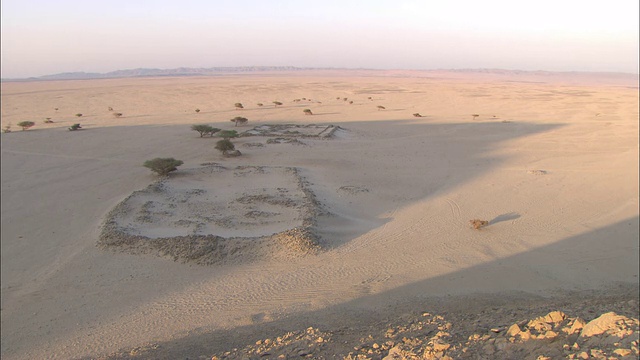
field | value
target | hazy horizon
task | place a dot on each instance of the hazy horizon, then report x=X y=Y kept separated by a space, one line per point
x=44 y=38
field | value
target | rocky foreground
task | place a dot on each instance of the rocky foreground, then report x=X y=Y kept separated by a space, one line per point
x=579 y=326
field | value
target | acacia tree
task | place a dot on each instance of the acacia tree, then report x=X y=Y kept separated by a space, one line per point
x=26 y=124
x=225 y=145
x=240 y=120
x=228 y=134
x=238 y=106
x=163 y=166
x=205 y=129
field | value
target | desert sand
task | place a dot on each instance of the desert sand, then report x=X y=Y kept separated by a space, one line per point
x=383 y=203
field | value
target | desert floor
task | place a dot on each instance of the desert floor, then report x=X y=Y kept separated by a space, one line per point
x=551 y=161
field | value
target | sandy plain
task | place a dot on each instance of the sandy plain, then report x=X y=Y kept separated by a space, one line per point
x=551 y=162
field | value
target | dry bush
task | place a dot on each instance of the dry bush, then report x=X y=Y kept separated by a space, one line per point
x=307 y=112
x=417 y=115
x=477 y=223
x=380 y=107
x=117 y=115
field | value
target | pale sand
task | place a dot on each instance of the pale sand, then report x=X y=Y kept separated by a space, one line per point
x=551 y=163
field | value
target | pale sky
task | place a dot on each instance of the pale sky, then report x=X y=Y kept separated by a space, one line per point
x=41 y=37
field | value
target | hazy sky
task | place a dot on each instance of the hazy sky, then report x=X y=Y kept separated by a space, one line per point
x=45 y=36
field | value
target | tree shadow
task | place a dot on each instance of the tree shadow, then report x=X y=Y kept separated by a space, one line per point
x=504 y=217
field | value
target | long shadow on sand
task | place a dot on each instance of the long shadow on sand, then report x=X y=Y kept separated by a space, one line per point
x=559 y=263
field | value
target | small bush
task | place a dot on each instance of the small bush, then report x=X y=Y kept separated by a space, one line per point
x=110 y=108
x=48 y=121
x=75 y=127
x=475 y=116
x=259 y=104
x=163 y=166
x=26 y=124
x=276 y=103
x=117 y=115
x=79 y=115
x=380 y=107
x=307 y=112
x=225 y=145
x=477 y=223
x=240 y=120
x=7 y=128
x=197 y=111
x=417 y=115
x=205 y=130
x=238 y=106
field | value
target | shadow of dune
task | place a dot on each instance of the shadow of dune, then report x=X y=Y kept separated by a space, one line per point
x=517 y=278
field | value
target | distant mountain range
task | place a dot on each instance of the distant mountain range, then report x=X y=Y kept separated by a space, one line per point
x=218 y=71
x=182 y=71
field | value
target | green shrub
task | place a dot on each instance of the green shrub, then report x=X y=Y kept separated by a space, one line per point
x=75 y=127
x=225 y=145
x=163 y=166
x=26 y=124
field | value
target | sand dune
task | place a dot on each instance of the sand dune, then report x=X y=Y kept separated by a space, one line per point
x=551 y=162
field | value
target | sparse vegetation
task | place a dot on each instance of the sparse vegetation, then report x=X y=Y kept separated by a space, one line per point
x=350 y=102
x=48 y=121
x=163 y=166
x=307 y=112
x=117 y=114
x=228 y=134
x=75 y=127
x=79 y=115
x=477 y=223
x=56 y=109
x=238 y=106
x=240 y=120
x=205 y=130
x=110 y=108
x=380 y=107
x=276 y=103
x=224 y=146
x=26 y=124
x=417 y=115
